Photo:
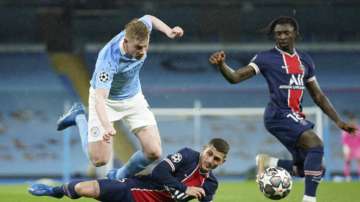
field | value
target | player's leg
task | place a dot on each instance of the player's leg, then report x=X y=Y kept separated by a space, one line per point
x=151 y=150
x=76 y=116
x=115 y=190
x=358 y=167
x=143 y=124
x=264 y=161
x=355 y=154
x=347 y=162
x=100 y=152
x=73 y=190
x=313 y=170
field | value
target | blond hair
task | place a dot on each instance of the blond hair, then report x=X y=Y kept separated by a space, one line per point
x=136 y=30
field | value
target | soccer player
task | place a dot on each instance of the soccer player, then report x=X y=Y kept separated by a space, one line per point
x=351 y=149
x=115 y=94
x=182 y=176
x=288 y=72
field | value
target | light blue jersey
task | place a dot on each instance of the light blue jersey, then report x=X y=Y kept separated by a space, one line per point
x=117 y=71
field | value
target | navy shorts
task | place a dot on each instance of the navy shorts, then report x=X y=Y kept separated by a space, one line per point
x=115 y=190
x=287 y=127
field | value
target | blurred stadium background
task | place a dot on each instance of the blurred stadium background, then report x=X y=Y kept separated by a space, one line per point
x=48 y=49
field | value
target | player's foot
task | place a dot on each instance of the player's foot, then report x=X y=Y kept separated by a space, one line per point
x=43 y=190
x=68 y=118
x=111 y=175
x=262 y=162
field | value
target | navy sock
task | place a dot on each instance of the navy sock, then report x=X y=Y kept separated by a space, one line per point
x=313 y=170
x=58 y=192
x=287 y=165
x=69 y=189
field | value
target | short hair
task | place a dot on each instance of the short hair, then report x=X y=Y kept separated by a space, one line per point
x=280 y=21
x=220 y=145
x=136 y=30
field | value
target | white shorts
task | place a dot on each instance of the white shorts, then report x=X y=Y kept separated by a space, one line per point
x=133 y=111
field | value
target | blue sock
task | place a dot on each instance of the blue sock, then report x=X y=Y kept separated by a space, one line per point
x=135 y=164
x=286 y=164
x=313 y=170
x=82 y=125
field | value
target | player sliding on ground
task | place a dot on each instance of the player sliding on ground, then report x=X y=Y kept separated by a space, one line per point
x=115 y=94
x=179 y=177
x=288 y=72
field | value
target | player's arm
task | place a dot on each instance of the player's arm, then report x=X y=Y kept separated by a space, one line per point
x=101 y=95
x=232 y=76
x=163 y=173
x=210 y=186
x=324 y=103
x=172 y=33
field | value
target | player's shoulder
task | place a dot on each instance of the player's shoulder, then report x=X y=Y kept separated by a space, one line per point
x=188 y=152
x=266 y=53
x=303 y=54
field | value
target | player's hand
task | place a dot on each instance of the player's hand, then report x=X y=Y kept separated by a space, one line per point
x=175 y=32
x=196 y=192
x=109 y=133
x=217 y=58
x=347 y=127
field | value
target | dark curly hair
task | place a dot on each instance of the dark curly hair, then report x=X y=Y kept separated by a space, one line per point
x=280 y=21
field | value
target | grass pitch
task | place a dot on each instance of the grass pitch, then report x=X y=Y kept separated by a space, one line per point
x=228 y=192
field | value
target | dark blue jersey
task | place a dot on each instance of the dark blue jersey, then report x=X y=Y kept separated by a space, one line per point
x=176 y=171
x=286 y=75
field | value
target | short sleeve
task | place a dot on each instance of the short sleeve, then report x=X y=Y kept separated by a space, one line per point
x=147 y=21
x=257 y=63
x=177 y=159
x=311 y=69
x=103 y=74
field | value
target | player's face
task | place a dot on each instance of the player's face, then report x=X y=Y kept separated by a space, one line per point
x=211 y=158
x=285 y=36
x=136 y=48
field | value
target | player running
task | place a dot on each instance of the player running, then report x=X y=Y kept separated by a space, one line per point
x=115 y=94
x=288 y=72
x=182 y=176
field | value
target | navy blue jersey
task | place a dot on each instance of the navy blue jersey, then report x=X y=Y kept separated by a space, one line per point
x=286 y=75
x=176 y=171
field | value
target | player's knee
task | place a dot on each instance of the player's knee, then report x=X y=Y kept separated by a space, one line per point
x=154 y=154
x=87 y=189
x=309 y=140
x=98 y=160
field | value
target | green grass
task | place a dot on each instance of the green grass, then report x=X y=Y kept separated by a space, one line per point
x=228 y=192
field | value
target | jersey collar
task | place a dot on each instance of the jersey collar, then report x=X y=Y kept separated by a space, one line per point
x=122 y=51
x=283 y=52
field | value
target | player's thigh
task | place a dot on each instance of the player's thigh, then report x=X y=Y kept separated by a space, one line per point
x=95 y=129
x=149 y=138
x=309 y=139
x=286 y=127
x=114 y=190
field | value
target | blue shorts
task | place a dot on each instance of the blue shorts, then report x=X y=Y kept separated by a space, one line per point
x=287 y=127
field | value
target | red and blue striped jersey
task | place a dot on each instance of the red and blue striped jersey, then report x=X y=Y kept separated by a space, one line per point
x=176 y=171
x=286 y=75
